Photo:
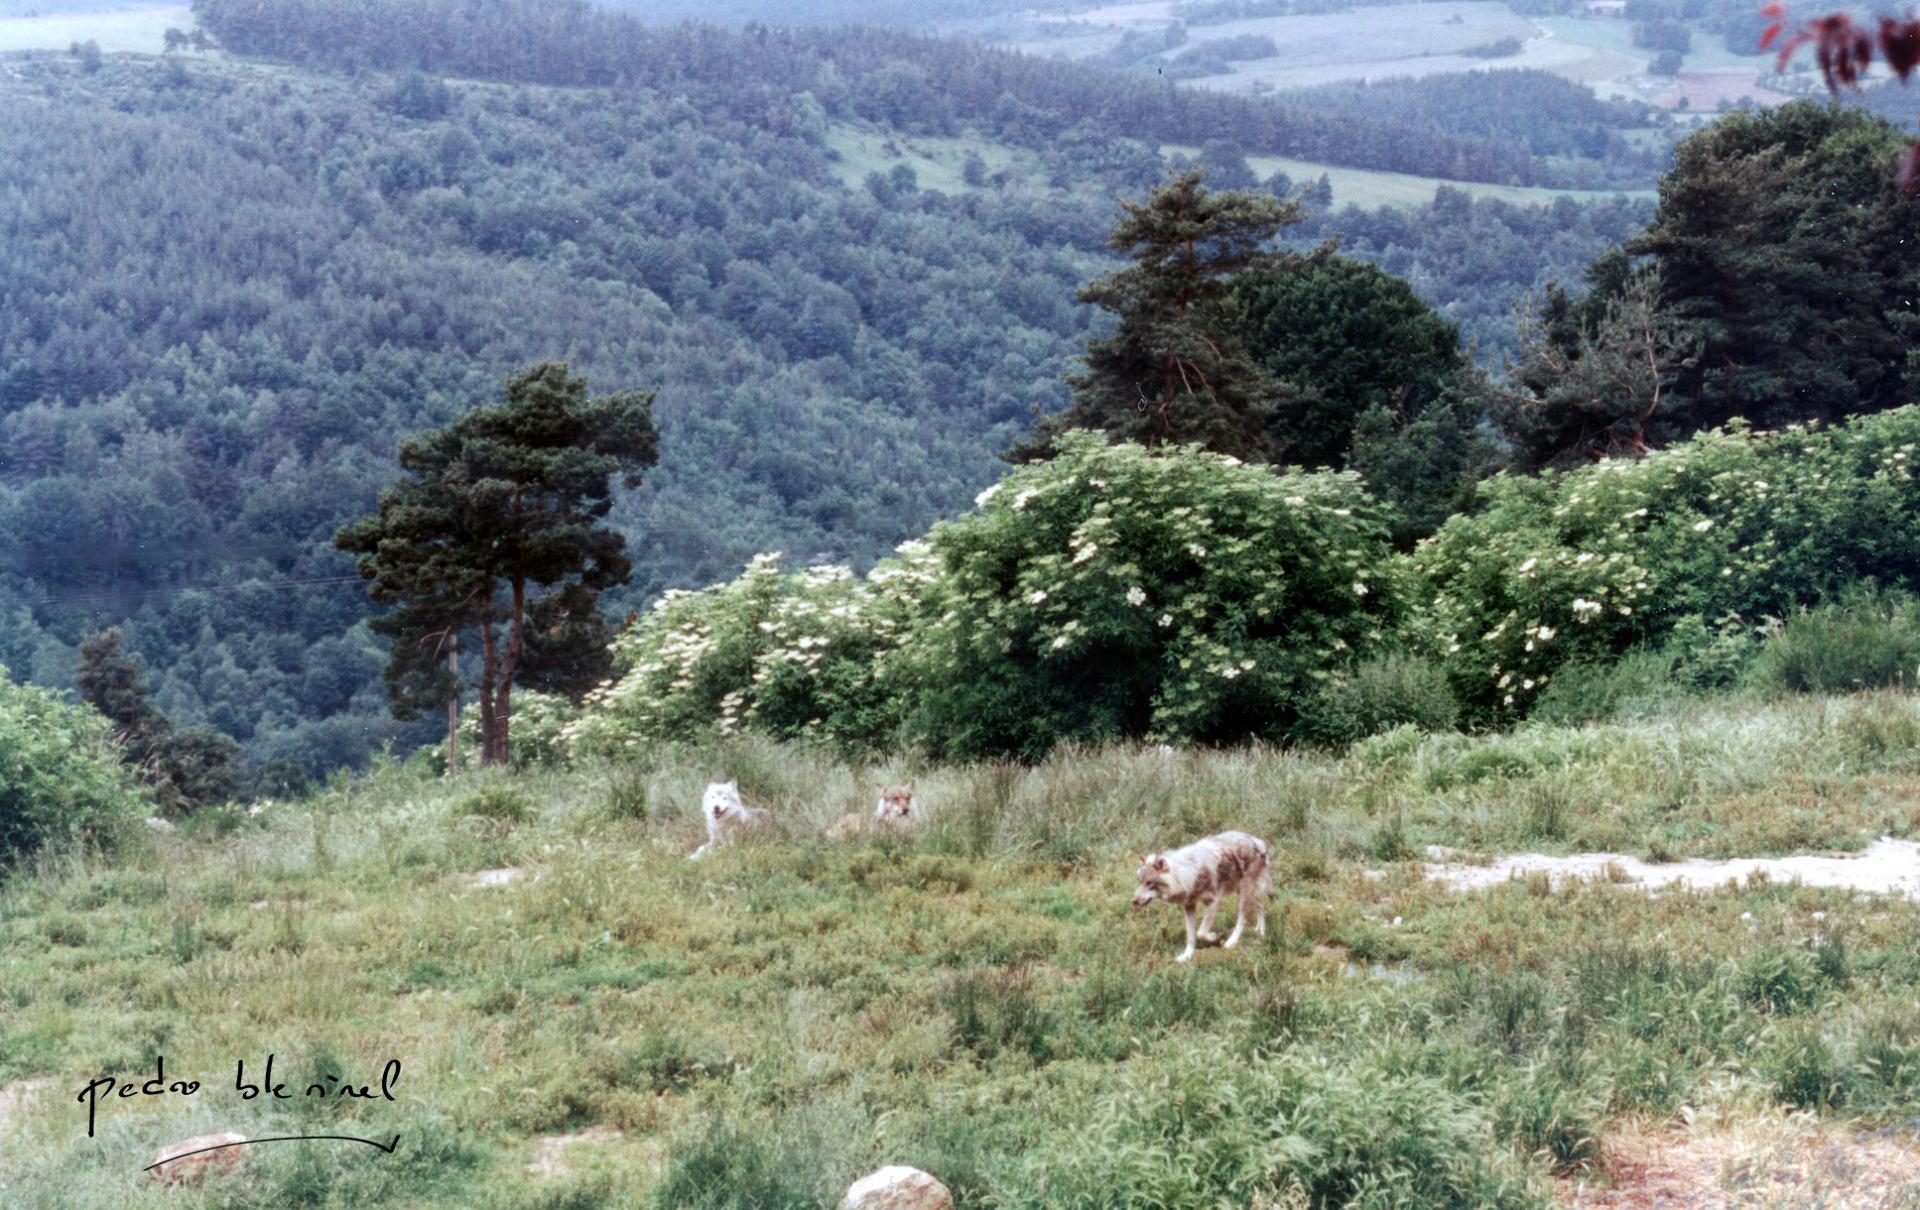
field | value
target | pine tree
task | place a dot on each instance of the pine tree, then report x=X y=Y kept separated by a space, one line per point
x=185 y=766
x=498 y=532
x=1173 y=371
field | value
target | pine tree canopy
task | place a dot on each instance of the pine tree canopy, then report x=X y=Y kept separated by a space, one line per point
x=499 y=528
x=1173 y=371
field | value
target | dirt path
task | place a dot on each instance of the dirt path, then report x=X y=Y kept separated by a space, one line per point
x=1887 y=867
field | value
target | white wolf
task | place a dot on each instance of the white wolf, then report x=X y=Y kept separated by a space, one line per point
x=897 y=813
x=1203 y=872
x=727 y=816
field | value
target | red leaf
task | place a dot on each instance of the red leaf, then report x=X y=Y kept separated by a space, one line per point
x=1772 y=32
x=1900 y=42
x=1792 y=44
x=1775 y=9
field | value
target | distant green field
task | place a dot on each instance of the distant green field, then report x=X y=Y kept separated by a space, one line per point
x=1365 y=188
x=1384 y=41
x=138 y=30
x=1364 y=43
x=936 y=162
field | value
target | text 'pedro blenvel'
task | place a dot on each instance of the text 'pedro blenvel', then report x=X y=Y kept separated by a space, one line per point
x=329 y=1085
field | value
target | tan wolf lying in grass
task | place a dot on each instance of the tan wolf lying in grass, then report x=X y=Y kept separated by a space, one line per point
x=896 y=814
x=727 y=816
x=1203 y=872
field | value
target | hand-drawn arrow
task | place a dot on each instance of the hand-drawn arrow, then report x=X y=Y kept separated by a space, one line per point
x=284 y=1138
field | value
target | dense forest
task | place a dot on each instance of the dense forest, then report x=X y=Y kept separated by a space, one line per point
x=918 y=84
x=193 y=400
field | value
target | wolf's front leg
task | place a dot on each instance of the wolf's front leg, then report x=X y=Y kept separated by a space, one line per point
x=1187 y=954
x=1206 y=922
x=1239 y=922
x=700 y=852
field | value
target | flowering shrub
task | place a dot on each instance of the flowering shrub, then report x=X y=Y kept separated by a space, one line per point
x=1112 y=592
x=1107 y=593
x=1731 y=525
x=792 y=654
x=534 y=730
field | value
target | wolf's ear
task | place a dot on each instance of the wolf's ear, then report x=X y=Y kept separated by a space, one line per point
x=1159 y=862
x=909 y=789
x=734 y=782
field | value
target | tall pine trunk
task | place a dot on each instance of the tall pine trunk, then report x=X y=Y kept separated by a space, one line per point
x=453 y=706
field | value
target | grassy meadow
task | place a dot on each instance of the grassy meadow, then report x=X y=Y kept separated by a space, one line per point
x=136 y=31
x=616 y=1026
x=1377 y=42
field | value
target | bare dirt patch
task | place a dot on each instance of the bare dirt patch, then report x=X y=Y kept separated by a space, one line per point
x=550 y=1159
x=1797 y=1168
x=1887 y=866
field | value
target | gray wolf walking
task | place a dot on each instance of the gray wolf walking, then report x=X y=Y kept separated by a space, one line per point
x=1201 y=874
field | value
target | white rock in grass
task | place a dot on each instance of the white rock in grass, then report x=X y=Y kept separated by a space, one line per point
x=494 y=877
x=897 y=1188
x=158 y=824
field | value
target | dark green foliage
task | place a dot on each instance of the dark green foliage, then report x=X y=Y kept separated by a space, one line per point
x=1216 y=57
x=63 y=774
x=1378 y=695
x=186 y=767
x=1500 y=48
x=874 y=74
x=183 y=466
x=88 y=53
x=1342 y=336
x=1368 y=376
x=178 y=451
x=1784 y=251
x=1173 y=372
x=505 y=502
x=418 y=95
x=1546 y=114
x=1492 y=253
x=1843 y=647
x=1596 y=379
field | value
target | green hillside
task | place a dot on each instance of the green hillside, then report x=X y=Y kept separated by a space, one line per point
x=599 y=1023
x=231 y=286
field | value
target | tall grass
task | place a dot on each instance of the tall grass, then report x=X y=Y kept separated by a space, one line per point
x=766 y=1025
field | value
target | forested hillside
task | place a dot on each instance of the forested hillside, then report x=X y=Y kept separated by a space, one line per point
x=919 y=84
x=228 y=289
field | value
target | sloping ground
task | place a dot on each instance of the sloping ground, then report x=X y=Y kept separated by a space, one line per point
x=1795 y=1166
x=765 y=1025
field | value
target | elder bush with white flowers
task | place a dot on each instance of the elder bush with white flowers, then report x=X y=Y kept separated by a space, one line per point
x=1114 y=592
x=1107 y=593
x=788 y=653
x=1729 y=527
